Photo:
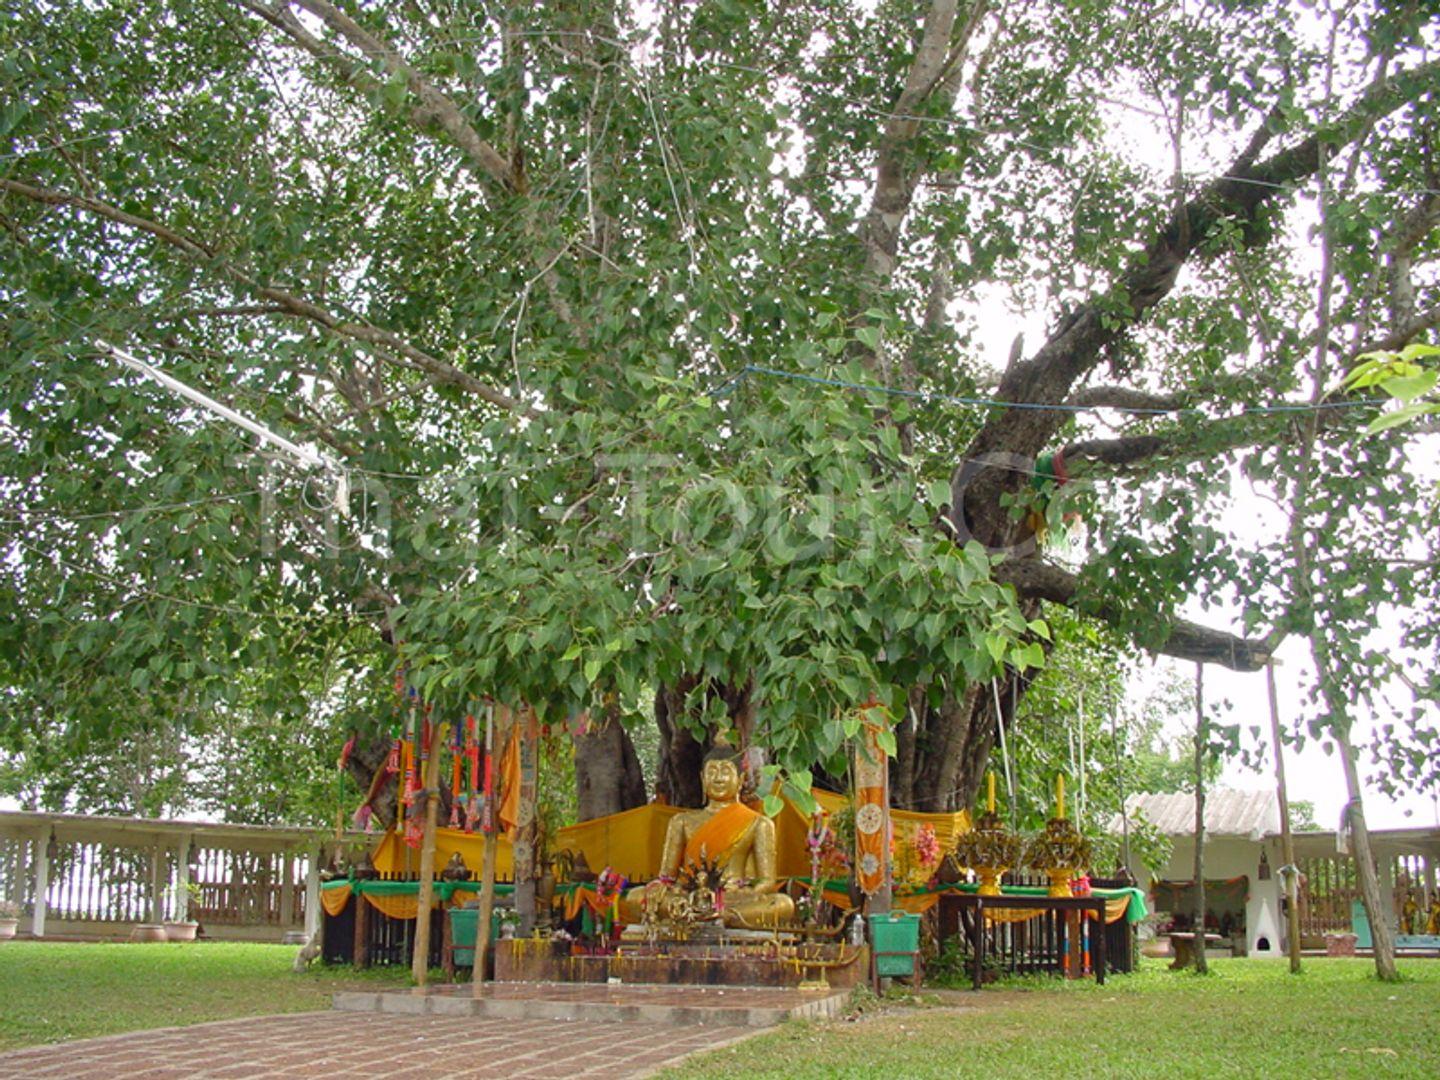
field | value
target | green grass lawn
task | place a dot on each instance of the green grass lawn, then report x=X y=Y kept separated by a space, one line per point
x=52 y=991
x=1250 y=1018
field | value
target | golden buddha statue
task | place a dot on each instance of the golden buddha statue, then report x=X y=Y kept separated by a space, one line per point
x=729 y=835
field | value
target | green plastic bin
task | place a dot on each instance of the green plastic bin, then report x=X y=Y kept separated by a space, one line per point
x=463 y=922
x=895 y=941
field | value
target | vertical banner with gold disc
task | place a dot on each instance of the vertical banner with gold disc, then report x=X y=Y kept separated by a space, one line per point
x=872 y=818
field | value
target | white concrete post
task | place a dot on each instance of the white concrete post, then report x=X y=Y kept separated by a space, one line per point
x=157 y=886
x=312 y=891
x=287 y=890
x=182 y=880
x=42 y=882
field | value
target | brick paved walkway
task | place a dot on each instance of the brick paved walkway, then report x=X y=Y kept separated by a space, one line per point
x=337 y=1045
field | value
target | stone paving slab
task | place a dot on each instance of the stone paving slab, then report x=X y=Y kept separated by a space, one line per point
x=350 y=1044
x=668 y=1005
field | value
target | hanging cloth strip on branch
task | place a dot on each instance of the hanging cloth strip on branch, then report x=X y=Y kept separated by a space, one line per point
x=509 y=810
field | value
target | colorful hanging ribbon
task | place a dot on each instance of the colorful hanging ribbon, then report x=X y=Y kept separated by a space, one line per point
x=871 y=841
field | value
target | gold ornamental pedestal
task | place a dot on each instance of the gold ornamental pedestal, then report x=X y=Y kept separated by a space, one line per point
x=1059 y=851
x=990 y=848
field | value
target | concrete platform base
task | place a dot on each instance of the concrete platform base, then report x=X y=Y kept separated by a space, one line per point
x=739 y=962
x=677 y=1006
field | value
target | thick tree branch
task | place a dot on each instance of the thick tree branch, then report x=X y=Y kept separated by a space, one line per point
x=50 y=197
x=895 y=183
x=1423 y=322
x=896 y=177
x=1124 y=451
x=434 y=104
x=299 y=307
x=1120 y=397
x=1410 y=231
x=1082 y=340
x=435 y=108
x=1034 y=579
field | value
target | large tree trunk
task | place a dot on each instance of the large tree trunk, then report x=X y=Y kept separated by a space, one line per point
x=1376 y=909
x=943 y=751
x=1381 y=935
x=677 y=778
x=608 y=778
x=677 y=773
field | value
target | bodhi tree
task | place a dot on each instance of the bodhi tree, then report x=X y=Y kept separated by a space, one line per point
x=652 y=343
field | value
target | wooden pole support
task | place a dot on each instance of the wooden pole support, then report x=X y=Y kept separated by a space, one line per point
x=420 y=961
x=487 y=872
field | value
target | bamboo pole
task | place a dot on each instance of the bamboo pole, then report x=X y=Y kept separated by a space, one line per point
x=527 y=828
x=1080 y=772
x=425 y=898
x=1201 y=965
x=1120 y=785
x=1289 y=873
x=885 y=898
x=488 y=825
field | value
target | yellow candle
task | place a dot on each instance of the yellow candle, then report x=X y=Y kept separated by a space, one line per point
x=1060 y=795
x=990 y=801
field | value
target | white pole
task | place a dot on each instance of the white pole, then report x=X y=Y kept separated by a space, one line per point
x=312 y=891
x=42 y=883
x=1004 y=749
x=307 y=456
x=1081 y=770
x=182 y=879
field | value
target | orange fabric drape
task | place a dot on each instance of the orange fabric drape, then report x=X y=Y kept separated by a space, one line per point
x=397 y=907
x=919 y=903
x=1114 y=911
x=584 y=896
x=334 y=900
x=631 y=841
x=509 y=808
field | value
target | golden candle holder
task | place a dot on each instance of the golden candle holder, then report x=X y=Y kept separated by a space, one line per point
x=1059 y=852
x=990 y=848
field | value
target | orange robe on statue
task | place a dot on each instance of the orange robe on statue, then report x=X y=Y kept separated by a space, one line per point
x=714 y=840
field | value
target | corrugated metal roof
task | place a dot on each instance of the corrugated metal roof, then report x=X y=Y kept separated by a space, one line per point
x=1251 y=814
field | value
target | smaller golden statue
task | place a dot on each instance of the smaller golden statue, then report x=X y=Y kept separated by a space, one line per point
x=718 y=861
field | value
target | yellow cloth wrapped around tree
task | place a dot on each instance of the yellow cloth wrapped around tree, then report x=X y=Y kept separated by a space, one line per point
x=334 y=900
x=396 y=907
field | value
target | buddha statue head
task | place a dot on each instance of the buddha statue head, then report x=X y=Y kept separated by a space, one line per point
x=720 y=776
